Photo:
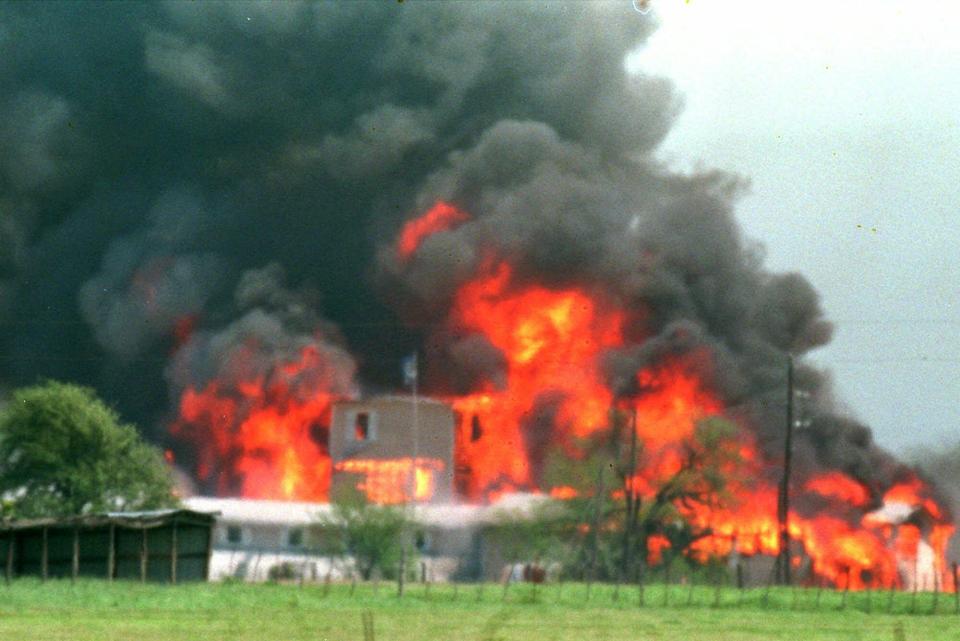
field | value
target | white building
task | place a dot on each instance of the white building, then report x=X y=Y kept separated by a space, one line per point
x=251 y=537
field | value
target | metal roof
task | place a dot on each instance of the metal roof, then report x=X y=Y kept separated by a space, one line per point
x=139 y=520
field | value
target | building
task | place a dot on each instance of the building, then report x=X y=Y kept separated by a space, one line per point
x=392 y=448
x=252 y=537
x=161 y=545
x=255 y=540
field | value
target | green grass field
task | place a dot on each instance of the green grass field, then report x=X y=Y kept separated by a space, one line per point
x=212 y=612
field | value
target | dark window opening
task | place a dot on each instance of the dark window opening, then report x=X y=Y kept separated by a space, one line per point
x=295 y=538
x=234 y=534
x=420 y=540
x=475 y=430
x=361 y=426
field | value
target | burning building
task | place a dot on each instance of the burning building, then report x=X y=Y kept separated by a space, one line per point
x=270 y=228
x=394 y=449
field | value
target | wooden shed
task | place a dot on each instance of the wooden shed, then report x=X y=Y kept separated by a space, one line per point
x=161 y=545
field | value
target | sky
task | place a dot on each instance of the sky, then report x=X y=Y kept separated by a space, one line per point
x=843 y=117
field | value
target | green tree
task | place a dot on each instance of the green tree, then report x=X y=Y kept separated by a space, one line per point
x=64 y=452
x=608 y=523
x=372 y=535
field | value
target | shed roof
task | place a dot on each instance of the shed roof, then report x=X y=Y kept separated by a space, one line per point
x=139 y=520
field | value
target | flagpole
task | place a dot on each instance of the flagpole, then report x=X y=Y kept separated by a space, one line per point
x=413 y=374
x=416 y=429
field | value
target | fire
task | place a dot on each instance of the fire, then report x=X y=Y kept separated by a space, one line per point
x=552 y=340
x=671 y=403
x=840 y=487
x=389 y=482
x=912 y=492
x=552 y=393
x=441 y=217
x=264 y=435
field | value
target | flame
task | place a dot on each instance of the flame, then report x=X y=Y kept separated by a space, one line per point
x=262 y=437
x=389 y=482
x=672 y=402
x=552 y=340
x=839 y=487
x=656 y=544
x=263 y=434
x=913 y=492
x=441 y=217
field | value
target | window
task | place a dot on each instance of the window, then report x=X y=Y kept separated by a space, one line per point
x=422 y=541
x=234 y=534
x=476 y=431
x=361 y=427
x=295 y=538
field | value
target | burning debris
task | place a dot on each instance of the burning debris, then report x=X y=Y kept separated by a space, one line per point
x=483 y=173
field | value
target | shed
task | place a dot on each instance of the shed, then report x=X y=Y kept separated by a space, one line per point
x=160 y=545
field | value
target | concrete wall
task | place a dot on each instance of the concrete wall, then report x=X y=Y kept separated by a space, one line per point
x=391 y=435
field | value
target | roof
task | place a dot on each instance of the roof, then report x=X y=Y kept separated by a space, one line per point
x=139 y=520
x=293 y=513
x=393 y=398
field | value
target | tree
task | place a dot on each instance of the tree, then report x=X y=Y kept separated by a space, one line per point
x=373 y=535
x=610 y=520
x=64 y=452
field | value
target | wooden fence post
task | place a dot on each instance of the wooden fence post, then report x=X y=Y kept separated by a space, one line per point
x=8 y=570
x=666 y=584
x=144 y=555
x=75 y=557
x=112 y=552
x=44 y=556
x=740 y=586
x=641 y=598
x=956 y=591
x=173 y=552
x=846 y=590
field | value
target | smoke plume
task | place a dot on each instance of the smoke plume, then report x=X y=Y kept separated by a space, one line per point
x=155 y=156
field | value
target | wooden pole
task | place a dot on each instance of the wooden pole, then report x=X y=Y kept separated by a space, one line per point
x=206 y=563
x=956 y=590
x=666 y=582
x=893 y=587
x=75 y=560
x=783 y=506
x=173 y=553
x=630 y=496
x=936 y=589
x=846 y=589
x=44 y=557
x=8 y=571
x=740 y=585
x=641 y=597
x=143 y=555
x=112 y=553
x=916 y=581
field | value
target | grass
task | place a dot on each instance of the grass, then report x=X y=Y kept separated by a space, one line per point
x=91 y=610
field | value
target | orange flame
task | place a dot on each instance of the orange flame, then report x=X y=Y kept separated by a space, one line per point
x=840 y=487
x=552 y=340
x=441 y=217
x=388 y=481
x=262 y=438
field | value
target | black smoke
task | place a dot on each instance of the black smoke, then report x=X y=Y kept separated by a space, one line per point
x=154 y=157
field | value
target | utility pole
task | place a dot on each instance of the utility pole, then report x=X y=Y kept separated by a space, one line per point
x=630 y=495
x=783 y=504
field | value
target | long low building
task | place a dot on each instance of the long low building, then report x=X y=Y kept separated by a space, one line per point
x=160 y=545
x=255 y=540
